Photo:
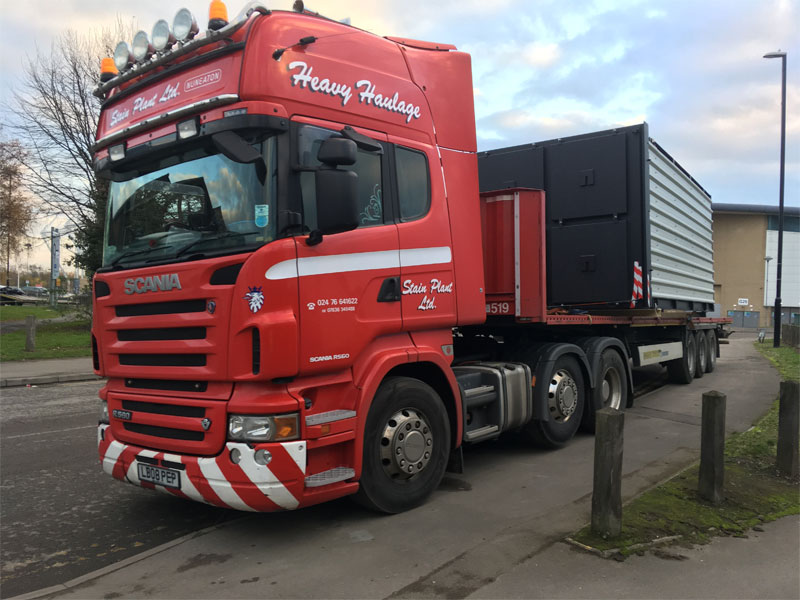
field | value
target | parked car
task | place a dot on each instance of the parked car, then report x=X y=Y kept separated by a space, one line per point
x=12 y=295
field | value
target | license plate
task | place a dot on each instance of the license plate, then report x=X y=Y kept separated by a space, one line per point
x=159 y=476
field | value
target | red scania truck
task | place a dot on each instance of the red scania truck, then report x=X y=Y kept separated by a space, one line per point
x=306 y=292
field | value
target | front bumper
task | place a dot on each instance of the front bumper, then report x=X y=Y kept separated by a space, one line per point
x=245 y=485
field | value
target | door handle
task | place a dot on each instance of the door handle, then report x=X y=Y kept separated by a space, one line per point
x=390 y=290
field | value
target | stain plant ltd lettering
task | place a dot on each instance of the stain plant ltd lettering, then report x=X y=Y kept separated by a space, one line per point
x=367 y=91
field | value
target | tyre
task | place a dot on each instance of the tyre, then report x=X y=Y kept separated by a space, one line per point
x=681 y=370
x=701 y=342
x=711 y=350
x=566 y=399
x=611 y=389
x=406 y=446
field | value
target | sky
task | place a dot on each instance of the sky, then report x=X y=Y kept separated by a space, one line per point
x=544 y=69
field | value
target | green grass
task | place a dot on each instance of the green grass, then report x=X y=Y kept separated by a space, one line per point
x=18 y=313
x=53 y=340
x=754 y=491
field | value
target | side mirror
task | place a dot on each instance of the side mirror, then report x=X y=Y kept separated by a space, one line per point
x=336 y=151
x=337 y=200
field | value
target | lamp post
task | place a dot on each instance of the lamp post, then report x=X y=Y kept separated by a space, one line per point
x=776 y=338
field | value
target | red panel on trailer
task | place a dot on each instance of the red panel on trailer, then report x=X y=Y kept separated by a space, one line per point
x=514 y=253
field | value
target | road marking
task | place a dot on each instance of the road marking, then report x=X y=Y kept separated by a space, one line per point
x=22 y=435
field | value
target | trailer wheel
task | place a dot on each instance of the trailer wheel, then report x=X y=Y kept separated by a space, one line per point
x=566 y=401
x=681 y=370
x=406 y=446
x=611 y=389
x=702 y=354
x=711 y=350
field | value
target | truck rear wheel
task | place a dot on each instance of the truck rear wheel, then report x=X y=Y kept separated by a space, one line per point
x=406 y=446
x=566 y=401
x=611 y=389
x=702 y=353
x=681 y=370
x=711 y=350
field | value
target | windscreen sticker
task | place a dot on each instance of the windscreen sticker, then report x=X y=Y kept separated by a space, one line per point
x=262 y=215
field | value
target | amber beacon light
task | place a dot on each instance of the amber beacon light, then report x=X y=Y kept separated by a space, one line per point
x=108 y=70
x=217 y=15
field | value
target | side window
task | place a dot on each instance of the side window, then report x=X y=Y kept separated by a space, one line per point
x=367 y=166
x=413 y=183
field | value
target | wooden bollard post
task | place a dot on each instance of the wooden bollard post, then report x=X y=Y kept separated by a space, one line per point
x=607 y=490
x=30 y=334
x=789 y=429
x=712 y=448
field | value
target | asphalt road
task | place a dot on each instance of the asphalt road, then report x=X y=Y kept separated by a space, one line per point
x=61 y=516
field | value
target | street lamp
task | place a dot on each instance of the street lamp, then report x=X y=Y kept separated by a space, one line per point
x=776 y=337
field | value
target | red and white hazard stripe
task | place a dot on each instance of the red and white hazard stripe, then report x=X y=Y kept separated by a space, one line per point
x=637 y=284
x=244 y=485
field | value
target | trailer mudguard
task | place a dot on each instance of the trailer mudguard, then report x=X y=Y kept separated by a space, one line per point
x=594 y=347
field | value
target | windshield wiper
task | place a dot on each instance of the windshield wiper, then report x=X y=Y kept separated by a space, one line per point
x=124 y=255
x=211 y=238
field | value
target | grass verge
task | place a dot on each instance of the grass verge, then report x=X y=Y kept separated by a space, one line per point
x=53 y=340
x=18 y=313
x=754 y=492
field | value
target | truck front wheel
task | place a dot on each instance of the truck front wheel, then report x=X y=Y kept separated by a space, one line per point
x=406 y=445
x=566 y=400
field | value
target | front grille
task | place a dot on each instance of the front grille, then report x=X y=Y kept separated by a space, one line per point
x=163 y=360
x=160 y=308
x=166 y=333
x=165 y=432
x=177 y=410
x=171 y=385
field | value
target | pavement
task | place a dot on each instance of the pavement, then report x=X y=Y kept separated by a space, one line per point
x=41 y=372
x=492 y=539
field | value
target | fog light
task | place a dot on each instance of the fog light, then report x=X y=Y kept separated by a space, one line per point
x=142 y=48
x=116 y=152
x=122 y=56
x=236 y=456
x=187 y=129
x=162 y=36
x=263 y=457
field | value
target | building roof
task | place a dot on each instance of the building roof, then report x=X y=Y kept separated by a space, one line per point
x=762 y=209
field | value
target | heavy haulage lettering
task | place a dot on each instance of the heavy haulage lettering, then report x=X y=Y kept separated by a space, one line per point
x=390 y=103
x=325 y=86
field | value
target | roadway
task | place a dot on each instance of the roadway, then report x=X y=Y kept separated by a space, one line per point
x=62 y=517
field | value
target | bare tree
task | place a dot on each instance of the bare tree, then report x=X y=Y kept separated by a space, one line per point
x=16 y=213
x=57 y=118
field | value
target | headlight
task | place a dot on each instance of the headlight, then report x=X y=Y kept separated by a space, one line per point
x=122 y=56
x=142 y=48
x=259 y=428
x=162 y=36
x=104 y=412
x=184 y=27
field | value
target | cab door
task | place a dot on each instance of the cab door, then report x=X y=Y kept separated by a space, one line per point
x=348 y=283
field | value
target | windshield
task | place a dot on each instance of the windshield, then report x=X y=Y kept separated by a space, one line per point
x=209 y=206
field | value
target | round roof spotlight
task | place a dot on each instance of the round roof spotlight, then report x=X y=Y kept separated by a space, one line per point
x=184 y=26
x=162 y=36
x=142 y=48
x=122 y=56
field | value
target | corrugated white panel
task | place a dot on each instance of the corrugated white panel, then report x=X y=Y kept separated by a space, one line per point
x=681 y=251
